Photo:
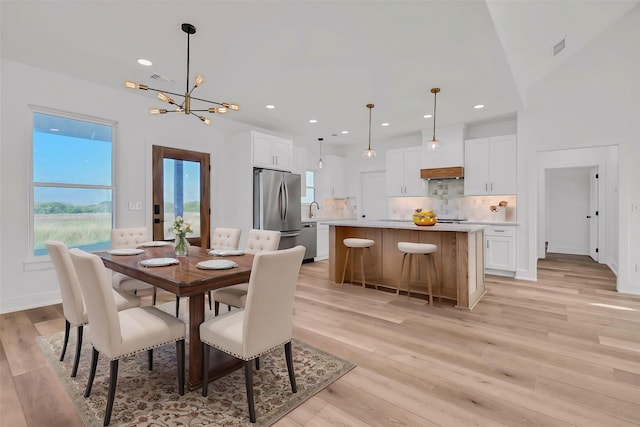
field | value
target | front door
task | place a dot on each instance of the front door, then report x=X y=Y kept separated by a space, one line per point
x=181 y=188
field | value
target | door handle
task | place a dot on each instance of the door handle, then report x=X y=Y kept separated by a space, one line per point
x=589 y=216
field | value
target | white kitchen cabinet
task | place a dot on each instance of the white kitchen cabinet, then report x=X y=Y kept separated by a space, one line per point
x=322 y=243
x=500 y=250
x=403 y=172
x=330 y=180
x=490 y=166
x=300 y=167
x=272 y=152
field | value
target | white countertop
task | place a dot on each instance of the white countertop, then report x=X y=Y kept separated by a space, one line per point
x=407 y=225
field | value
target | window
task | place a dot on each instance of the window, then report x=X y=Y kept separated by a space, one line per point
x=310 y=194
x=72 y=183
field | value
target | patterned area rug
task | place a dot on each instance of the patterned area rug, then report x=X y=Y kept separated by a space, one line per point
x=150 y=398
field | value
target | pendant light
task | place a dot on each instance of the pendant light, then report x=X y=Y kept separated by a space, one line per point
x=185 y=106
x=369 y=152
x=320 y=160
x=434 y=144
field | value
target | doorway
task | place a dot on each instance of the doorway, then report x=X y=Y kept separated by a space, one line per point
x=572 y=207
x=374 y=198
x=181 y=187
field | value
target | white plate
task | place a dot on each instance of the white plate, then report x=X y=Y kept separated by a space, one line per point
x=158 y=262
x=226 y=252
x=216 y=264
x=126 y=251
x=154 y=244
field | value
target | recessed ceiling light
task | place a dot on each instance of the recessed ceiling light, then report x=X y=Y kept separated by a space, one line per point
x=428 y=116
x=479 y=106
x=344 y=132
x=54 y=130
x=313 y=121
x=270 y=107
x=384 y=124
x=145 y=62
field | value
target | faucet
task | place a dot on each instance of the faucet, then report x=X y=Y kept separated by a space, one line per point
x=310 y=206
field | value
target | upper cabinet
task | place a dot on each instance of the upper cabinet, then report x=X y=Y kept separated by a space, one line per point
x=490 y=166
x=272 y=152
x=330 y=180
x=300 y=167
x=403 y=172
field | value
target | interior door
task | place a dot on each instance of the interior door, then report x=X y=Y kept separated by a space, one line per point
x=181 y=187
x=374 y=199
x=593 y=214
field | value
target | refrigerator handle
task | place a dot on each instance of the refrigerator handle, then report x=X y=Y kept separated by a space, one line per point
x=281 y=201
x=286 y=201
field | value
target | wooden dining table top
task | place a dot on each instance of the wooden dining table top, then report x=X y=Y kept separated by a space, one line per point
x=184 y=278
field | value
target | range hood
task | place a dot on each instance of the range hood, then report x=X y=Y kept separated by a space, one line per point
x=454 y=172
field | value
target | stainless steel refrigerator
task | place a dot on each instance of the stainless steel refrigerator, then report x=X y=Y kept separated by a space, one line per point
x=276 y=204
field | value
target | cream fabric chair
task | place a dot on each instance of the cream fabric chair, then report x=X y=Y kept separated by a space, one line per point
x=129 y=238
x=264 y=324
x=75 y=313
x=235 y=295
x=225 y=238
x=121 y=334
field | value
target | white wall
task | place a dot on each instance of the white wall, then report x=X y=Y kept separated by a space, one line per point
x=591 y=100
x=568 y=204
x=25 y=283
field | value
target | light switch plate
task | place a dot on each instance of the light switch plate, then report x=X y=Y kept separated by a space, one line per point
x=135 y=206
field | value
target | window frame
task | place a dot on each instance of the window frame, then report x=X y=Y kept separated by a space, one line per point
x=303 y=197
x=33 y=184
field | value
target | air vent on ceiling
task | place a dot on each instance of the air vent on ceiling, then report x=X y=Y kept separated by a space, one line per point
x=559 y=47
x=161 y=78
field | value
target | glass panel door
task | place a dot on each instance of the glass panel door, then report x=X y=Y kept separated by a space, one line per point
x=181 y=188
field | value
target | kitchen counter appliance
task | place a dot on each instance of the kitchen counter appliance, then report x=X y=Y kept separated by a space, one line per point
x=308 y=239
x=276 y=204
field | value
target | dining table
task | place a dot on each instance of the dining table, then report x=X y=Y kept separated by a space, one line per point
x=186 y=279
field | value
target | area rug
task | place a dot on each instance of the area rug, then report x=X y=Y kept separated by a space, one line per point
x=150 y=398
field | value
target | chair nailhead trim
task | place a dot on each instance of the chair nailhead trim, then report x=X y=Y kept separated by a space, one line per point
x=141 y=350
x=242 y=357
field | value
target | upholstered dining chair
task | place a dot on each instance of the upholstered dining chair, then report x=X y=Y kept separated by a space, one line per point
x=224 y=238
x=117 y=334
x=264 y=324
x=131 y=237
x=235 y=295
x=73 y=307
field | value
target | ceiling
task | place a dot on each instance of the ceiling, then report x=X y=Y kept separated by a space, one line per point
x=322 y=60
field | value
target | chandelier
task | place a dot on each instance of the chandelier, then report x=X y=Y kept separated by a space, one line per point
x=434 y=144
x=185 y=106
x=369 y=152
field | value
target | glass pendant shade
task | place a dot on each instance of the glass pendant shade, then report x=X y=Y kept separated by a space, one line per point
x=320 y=158
x=369 y=152
x=433 y=145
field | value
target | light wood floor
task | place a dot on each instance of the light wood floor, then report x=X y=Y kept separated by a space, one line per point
x=558 y=352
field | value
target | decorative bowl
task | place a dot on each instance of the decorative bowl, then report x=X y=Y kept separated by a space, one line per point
x=425 y=220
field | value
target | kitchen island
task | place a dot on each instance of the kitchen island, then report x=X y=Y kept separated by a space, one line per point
x=460 y=257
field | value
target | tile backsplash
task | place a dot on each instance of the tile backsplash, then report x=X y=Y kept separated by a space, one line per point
x=447 y=199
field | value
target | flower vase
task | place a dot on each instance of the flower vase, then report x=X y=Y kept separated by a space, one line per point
x=181 y=245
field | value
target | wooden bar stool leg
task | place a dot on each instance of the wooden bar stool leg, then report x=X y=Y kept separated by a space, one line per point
x=351 y=263
x=409 y=278
x=404 y=257
x=344 y=270
x=435 y=273
x=362 y=267
x=429 y=278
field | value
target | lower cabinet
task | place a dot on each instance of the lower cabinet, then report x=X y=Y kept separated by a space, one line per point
x=322 y=250
x=500 y=250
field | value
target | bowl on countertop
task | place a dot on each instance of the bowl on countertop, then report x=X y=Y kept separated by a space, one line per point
x=425 y=220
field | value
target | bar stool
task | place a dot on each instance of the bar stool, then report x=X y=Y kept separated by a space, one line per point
x=355 y=244
x=410 y=249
